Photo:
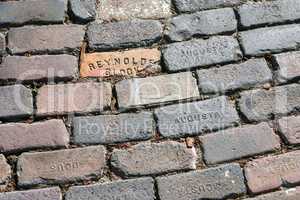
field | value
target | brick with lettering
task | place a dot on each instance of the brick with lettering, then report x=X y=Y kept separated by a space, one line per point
x=288 y=194
x=203 y=23
x=133 y=189
x=5 y=172
x=199 y=53
x=272 y=172
x=45 y=39
x=214 y=183
x=289 y=127
x=270 y=40
x=195 y=118
x=258 y=105
x=63 y=99
x=130 y=63
x=53 y=193
x=140 y=92
x=249 y=74
x=2 y=44
x=151 y=158
x=124 y=34
x=46 y=67
x=236 y=143
x=83 y=10
x=61 y=166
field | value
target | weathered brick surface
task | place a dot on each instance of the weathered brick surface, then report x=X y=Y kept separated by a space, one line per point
x=151 y=158
x=272 y=172
x=83 y=10
x=198 y=53
x=2 y=44
x=289 y=127
x=237 y=76
x=73 y=98
x=106 y=129
x=213 y=183
x=134 y=189
x=43 y=39
x=5 y=171
x=239 y=142
x=124 y=34
x=268 y=12
x=15 y=102
x=261 y=104
x=21 y=68
x=154 y=90
x=270 y=40
x=196 y=117
x=209 y=22
x=22 y=136
x=60 y=166
x=32 y=11
x=288 y=194
x=53 y=193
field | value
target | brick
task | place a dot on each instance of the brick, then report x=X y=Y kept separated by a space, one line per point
x=21 y=68
x=272 y=172
x=139 y=92
x=236 y=143
x=45 y=39
x=124 y=34
x=31 y=11
x=270 y=40
x=249 y=74
x=21 y=136
x=53 y=193
x=268 y=12
x=5 y=172
x=151 y=158
x=61 y=166
x=288 y=194
x=83 y=10
x=2 y=44
x=214 y=183
x=203 y=23
x=133 y=189
x=199 y=53
x=260 y=104
x=15 y=102
x=107 y=129
x=195 y=118
x=73 y=98
x=289 y=127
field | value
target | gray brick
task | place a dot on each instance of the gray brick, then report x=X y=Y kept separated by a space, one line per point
x=106 y=129
x=5 y=172
x=44 y=39
x=134 y=189
x=260 y=104
x=2 y=44
x=15 y=102
x=214 y=183
x=154 y=158
x=53 y=193
x=124 y=34
x=139 y=92
x=198 y=53
x=209 y=22
x=237 y=76
x=238 y=143
x=288 y=194
x=271 y=39
x=289 y=127
x=21 y=68
x=83 y=10
x=196 y=117
x=268 y=12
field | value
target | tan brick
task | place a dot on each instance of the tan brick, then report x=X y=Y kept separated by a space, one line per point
x=5 y=171
x=53 y=193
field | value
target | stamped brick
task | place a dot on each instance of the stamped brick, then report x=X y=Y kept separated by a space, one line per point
x=249 y=74
x=124 y=34
x=270 y=40
x=195 y=118
x=83 y=10
x=47 y=67
x=270 y=173
x=73 y=98
x=288 y=194
x=203 y=23
x=214 y=183
x=199 y=53
x=154 y=158
x=130 y=63
x=60 y=166
x=44 y=39
x=133 y=189
x=139 y=92
x=53 y=193
x=2 y=44
x=107 y=129
x=289 y=127
x=5 y=172
x=239 y=142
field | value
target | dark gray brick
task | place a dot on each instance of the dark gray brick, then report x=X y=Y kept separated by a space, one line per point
x=53 y=193
x=289 y=127
x=198 y=53
x=2 y=44
x=213 y=183
x=83 y=10
x=288 y=194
